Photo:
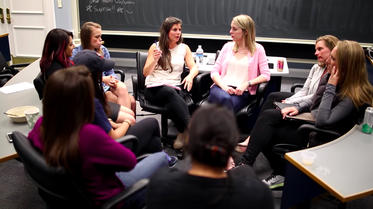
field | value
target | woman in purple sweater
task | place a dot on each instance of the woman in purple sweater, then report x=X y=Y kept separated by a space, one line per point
x=67 y=139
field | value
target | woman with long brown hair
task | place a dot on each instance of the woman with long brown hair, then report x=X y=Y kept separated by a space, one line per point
x=163 y=69
x=66 y=137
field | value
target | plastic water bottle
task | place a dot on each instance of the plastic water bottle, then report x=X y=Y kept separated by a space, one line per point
x=199 y=54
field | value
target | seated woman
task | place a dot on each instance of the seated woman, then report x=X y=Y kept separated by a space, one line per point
x=240 y=67
x=57 y=50
x=116 y=92
x=335 y=106
x=67 y=139
x=163 y=68
x=324 y=46
x=206 y=184
x=146 y=130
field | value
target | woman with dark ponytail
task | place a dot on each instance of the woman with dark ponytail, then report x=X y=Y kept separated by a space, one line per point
x=206 y=184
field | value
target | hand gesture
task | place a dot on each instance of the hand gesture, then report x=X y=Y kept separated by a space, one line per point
x=289 y=111
x=334 y=76
x=229 y=89
x=242 y=88
x=157 y=53
x=188 y=82
x=112 y=82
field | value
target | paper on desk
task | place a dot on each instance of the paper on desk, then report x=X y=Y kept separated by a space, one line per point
x=16 y=87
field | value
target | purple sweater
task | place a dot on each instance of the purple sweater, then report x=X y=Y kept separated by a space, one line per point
x=100 y=158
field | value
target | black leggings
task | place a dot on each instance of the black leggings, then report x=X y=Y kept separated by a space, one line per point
x=173 y=101
x=147 y=132
x=271 y=129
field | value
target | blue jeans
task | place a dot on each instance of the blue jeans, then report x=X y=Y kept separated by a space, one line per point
x=143 y=169
x=232 y=102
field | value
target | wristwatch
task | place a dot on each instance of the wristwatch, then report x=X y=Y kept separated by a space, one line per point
x=249 y=83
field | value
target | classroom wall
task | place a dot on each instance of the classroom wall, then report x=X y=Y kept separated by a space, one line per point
x=64 y=14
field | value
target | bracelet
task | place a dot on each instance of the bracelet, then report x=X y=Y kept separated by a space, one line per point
x=128 y=122
x=250 y=83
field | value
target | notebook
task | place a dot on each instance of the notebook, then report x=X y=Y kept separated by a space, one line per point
x=281 y=105
x=306 y=116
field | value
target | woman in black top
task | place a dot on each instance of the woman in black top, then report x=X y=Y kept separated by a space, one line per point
x=206 y=184
x=57 y=50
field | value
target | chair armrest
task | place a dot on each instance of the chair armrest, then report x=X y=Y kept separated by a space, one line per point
x=307 y=128
x=6 y=75
x=138 y=186
x=141 y=157
x=129 y=141
x=296 y=85
x=121 y=74
x=201 y=87
x=20 y=65
x=135 y=86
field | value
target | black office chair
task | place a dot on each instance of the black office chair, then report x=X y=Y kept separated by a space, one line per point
x=120 y=73
x=315 y=136
x=247 y=116
x=39 y=84
x=198 y=93
x=6 y=71
x=56 y=187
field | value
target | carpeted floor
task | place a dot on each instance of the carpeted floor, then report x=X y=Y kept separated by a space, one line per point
x=18 y=192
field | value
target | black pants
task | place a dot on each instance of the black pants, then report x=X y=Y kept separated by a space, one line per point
x=271 y=129
x=275 y=97
x=173 y=101
x=147 y=132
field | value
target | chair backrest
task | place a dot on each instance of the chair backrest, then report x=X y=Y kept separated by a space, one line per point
x=56 y=186
x=140 y=63
x=3 y=62
x=39 y=85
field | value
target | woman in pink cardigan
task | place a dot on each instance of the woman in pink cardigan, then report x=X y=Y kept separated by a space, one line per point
x=240 y=67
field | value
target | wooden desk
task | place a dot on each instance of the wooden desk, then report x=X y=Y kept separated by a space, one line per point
x=342 y=167
x=7 y=101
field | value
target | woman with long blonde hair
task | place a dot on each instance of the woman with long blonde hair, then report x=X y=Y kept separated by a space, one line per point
x=241 y=66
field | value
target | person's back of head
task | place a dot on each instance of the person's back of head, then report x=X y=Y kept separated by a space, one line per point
x=67 y=106
x=213 y=135
x=54 y=48
x=96 y=65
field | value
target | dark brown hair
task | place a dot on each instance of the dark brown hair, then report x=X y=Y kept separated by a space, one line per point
x=165 y=60
x=213 y=135
x=67 y=105
x=54 y=48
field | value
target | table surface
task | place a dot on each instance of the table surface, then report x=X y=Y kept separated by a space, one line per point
x=21 y=98
x=209 y=60
x=343 y=167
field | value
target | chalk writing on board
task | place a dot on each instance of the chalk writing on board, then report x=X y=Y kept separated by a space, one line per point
x=110 y=6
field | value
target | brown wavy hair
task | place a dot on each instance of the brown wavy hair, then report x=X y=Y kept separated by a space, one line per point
x=67 y=105
x=165 y=61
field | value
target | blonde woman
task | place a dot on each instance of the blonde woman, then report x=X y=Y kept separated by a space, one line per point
x=241 y=66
